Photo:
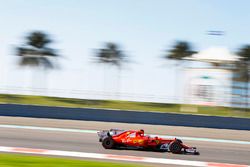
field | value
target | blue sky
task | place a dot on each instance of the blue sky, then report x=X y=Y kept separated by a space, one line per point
x=143 y=28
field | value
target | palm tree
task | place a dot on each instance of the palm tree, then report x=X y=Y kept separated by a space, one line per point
x=244 y=68
x=35 y=51
x=178 y=53
x=112 y=55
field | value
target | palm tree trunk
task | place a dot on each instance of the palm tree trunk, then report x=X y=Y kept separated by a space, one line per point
x=104 y=81
x=33 y=82
x=176 y=81
x=45 y=81
x=248 y=75
x=119 y=83
x=247 y=87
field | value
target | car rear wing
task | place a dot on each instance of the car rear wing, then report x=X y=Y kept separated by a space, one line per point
x=105 y=133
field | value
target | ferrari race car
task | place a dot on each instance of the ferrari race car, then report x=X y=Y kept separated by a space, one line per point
x=115 y=138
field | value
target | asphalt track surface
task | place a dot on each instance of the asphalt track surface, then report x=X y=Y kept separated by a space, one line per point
x=87 y=142
x=154 y=118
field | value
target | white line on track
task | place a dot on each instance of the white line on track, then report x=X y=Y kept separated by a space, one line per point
x=116 y=157
x=95 y=131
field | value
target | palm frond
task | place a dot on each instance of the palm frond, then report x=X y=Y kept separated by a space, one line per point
x=180 y=50
x=36 y=52
x=111 y=54
x=244 y=53
x=38 y=39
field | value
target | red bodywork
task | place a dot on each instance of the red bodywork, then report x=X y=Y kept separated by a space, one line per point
x=136 y=139
x=115 y=138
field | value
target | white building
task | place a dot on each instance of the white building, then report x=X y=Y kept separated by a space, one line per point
x=206 y=81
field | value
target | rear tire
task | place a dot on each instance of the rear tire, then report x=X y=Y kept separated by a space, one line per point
x=175 y=147
x=108 y=143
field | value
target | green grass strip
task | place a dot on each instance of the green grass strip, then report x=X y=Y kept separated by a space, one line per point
x=16 y=160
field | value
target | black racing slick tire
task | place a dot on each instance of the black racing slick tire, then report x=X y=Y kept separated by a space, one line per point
x=175 y=147
x=108 y=143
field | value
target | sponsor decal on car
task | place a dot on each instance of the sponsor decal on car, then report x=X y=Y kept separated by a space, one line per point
x=140 y=141
x=164 y=146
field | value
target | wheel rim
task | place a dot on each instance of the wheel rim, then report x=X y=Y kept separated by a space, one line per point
x=176 y=147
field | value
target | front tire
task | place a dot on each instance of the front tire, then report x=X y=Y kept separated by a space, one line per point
x=108 y=143
x=175 y=147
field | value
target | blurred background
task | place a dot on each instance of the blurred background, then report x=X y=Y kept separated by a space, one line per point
x=71 y=68
x=194 y=53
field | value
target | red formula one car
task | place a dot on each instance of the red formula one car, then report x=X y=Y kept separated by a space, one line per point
x=115 y=138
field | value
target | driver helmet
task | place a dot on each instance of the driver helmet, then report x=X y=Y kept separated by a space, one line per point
x=141 y=132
